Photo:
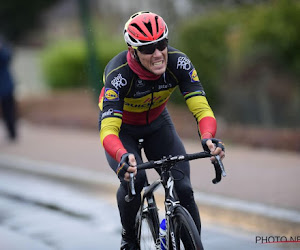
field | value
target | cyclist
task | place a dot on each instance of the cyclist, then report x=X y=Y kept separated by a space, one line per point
x=137 y=86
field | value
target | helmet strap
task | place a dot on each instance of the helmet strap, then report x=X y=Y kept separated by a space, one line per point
x=136 y=57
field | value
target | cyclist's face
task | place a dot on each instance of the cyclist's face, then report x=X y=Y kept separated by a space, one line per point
x=155 y=62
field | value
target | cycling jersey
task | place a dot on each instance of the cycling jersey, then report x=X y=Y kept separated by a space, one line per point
x=126 y=98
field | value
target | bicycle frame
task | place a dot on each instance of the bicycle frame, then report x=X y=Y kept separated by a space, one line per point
x=171 y=199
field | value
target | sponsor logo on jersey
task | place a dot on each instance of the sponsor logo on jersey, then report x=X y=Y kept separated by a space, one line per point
x=111 y=95
x=144 y=103
x=142 y=93
x=183 y=63
x=119 y=81
x=194 y=75
x=140 y=83
x=112 y=112
x=164 y=86
x=107 y=113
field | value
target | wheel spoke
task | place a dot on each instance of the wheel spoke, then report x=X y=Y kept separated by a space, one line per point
x=147 y=234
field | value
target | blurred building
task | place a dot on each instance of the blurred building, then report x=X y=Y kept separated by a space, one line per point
x=63 y=20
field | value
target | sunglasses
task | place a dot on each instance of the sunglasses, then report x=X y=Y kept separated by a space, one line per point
x=150 y=48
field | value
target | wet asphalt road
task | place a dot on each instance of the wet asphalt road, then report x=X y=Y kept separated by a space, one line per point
x=41 y=213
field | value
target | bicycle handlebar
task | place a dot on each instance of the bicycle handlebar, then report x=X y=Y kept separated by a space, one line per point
x=218 y=165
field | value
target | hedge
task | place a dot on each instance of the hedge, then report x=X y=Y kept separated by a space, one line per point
x=274 y=30
x=65 y=63
x=226 y=40
x=218 y=43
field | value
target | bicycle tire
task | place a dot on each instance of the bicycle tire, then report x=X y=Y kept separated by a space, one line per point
x=147 y=225
x=186 y=235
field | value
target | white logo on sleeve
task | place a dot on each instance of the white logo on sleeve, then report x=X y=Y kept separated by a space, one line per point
x=107 y=113
x=183 y=63
x=119 y=81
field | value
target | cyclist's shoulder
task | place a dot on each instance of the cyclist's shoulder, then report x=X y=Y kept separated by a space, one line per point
x=118 y=74
x=174 y=53
x=117 y=65
x=178 y=60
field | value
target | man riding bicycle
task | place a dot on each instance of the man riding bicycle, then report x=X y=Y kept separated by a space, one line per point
x=137 y=86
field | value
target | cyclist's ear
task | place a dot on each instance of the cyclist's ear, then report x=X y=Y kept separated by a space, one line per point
x=132 y=52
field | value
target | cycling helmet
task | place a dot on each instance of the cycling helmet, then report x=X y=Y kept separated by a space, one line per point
x=144 y=28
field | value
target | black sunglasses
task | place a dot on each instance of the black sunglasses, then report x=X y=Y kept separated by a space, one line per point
x=150 y=48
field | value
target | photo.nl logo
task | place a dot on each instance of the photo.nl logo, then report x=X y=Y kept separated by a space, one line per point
x=277 y=239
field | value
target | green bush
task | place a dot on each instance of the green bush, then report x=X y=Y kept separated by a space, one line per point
x=65 y=64
x=218 y=43
x=274 y=31
x=222 y=42
x=202 y=40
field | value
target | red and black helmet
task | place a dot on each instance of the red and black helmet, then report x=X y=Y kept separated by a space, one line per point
x=144 y=28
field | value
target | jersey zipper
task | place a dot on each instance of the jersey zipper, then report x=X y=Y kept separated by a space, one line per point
x=151 y=103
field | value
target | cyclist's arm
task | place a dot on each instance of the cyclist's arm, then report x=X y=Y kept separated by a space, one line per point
x=193 y=92
x=207 y=124
x=111 y=106
x=194 y=95
x=109 y=135
x=197 y=103
x=204 y=115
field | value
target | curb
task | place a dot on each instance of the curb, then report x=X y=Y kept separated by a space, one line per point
x=250 y=216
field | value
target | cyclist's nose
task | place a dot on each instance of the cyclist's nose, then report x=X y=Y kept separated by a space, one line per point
x=157 y=52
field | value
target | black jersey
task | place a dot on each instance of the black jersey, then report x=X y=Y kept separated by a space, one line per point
x=125 y=98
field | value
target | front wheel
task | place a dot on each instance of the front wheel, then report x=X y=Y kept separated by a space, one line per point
x=148 y=228
x=185 y=234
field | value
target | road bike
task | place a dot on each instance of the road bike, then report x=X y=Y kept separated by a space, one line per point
x=181 y=231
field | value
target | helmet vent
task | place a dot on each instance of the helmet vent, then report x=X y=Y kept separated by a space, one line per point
x=134 y=15
x=132 y=39
x=149 y=27
x=156 y=21
x=139 y=29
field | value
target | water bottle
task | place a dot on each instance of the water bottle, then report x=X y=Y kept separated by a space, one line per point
x=162 y=234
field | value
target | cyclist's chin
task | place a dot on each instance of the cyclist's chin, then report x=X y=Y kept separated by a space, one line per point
x=158 y=70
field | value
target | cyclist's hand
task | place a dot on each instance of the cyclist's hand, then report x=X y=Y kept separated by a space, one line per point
x=214 y=146
x=127 y=165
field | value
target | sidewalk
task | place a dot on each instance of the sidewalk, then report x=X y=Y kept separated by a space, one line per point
x=261 y=191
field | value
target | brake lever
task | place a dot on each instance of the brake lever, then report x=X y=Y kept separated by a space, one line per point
x=221 y=165
x=219 y=169
x=131 y=190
